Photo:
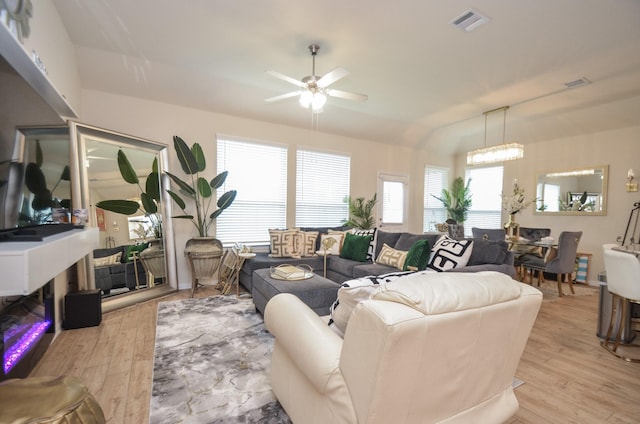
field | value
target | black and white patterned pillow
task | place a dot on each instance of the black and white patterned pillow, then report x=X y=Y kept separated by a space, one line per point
x=372 y=245
x=353 y=292
x=449 y=253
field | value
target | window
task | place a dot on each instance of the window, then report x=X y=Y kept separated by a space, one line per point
x=322 y=186
x=435 y=179
x=550 y=197
x=259 y=173
x=393 y=206
x=486 y=200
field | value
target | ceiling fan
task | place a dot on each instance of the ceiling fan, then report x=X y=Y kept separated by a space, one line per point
x=314 y=89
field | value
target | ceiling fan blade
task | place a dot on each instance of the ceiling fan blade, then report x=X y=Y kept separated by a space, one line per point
x=331 y=77
x=282 y=96
x=347 y=95
x=286 y=78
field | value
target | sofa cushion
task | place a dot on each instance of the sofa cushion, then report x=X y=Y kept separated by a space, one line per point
x=406 y=240
x=372 y=245
x=450 y=253
x=392 y=257
x=367 y=269
x=342 y=265
x=306 y=243
x=108 y=260
x=356 y=247
x=323 y=230
x=335 y=247
x=488 y=252
x=283 y=243
x=441 y=293
x=418 y=255
x=383 y=237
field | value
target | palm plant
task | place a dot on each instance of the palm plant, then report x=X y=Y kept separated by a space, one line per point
x=457 y=201
x=361 y=212
x=199 y=190
x=149 y=196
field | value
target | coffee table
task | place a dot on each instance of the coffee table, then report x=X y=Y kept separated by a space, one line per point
x=317 y=292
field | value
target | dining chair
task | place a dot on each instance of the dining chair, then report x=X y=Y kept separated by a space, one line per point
x=497 y=234
x=562 y=264
x=623 y=282
x=526 y=253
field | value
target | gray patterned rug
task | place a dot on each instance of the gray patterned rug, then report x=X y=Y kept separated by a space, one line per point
x=211 y=364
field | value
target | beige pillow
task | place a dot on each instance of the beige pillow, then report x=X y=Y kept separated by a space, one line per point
x=306 y=243
x=341 y=233
x=108 y=260
x=335 y=249
x=392 y=257
x=284 y=243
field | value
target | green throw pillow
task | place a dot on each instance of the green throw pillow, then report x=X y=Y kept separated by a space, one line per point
x=134 y=248
x=355 y=247
x=418 y=255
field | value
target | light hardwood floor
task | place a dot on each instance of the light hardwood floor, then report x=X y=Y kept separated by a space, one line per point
x=568 y=377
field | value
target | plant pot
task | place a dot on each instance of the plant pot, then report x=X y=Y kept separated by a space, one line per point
x=153 y=258
x=456 y=231
x=205 y=255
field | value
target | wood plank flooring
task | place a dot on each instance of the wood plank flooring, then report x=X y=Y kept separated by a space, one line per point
x=568 y=377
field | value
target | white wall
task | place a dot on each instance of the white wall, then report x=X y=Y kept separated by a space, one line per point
x=619 y=149
x=49 y=38
x=160 y=122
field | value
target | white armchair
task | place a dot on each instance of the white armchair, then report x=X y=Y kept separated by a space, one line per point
x=441 y=347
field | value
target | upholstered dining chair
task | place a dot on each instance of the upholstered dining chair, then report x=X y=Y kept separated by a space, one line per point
x=488 y=233
x=528 y=253
x=623 y=282
x=562 y=264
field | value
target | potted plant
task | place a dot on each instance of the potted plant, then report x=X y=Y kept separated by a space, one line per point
x=457 y=203
x=361 y=212
x=204 y=252
x=152 y=257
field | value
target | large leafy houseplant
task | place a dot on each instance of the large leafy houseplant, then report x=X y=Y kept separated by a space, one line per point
x=198 y=189
x=43 y=198
x=361 y=212
x=457 y=201
x=149 y=196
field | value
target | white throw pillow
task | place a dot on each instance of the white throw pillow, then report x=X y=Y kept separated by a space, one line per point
x=449 y=253
x=349 y=295
x=335 y=249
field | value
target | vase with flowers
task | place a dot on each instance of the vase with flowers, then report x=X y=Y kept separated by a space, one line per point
x=513 y=203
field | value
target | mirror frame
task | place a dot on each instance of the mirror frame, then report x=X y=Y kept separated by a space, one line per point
x=80 y=186
x=605 y=184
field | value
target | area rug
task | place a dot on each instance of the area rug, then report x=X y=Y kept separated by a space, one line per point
x=211 y=364
x=549 y=290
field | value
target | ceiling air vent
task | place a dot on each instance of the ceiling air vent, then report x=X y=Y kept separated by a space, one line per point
x=470 y=20
x=577 y=83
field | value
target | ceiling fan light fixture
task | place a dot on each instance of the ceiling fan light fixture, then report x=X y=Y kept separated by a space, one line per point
x=319 y=99
x=500 y=153
x=306 y=98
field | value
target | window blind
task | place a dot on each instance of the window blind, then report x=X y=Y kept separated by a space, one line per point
x=322 y=186
x=259 y=173
x=486 y=204
x=435 y=179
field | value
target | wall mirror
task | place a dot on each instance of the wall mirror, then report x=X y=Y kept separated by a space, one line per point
x=96 y=164
x=573 y=192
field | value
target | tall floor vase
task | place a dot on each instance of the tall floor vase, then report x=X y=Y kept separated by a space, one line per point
x=512 y=228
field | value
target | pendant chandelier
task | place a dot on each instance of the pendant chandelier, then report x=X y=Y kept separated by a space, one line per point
x=500 y=153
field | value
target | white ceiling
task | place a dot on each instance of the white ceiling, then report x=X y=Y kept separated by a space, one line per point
x=428 y=82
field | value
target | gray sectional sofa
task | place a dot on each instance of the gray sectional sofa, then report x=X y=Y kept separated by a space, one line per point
x=485 y=256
